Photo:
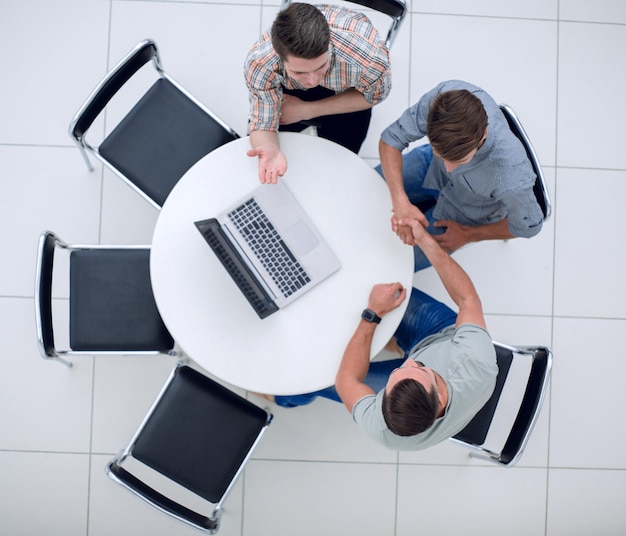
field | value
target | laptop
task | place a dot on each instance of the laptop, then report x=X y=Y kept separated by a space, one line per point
x=270 y=247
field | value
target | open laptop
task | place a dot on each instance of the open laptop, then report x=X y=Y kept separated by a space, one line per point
x=270 y=247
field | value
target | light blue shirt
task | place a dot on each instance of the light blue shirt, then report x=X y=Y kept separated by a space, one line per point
x=496 y=184
x=466 y=360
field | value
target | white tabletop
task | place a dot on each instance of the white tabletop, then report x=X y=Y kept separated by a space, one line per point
x=297 y=349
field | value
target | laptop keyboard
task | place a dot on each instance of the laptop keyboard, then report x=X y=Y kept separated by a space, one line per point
x=269 y=247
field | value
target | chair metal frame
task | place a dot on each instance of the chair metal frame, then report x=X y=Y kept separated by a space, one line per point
x=396 y=9
x=527 y=415
x=208 y=524
x=144 y=52
x=540 y=188
x=48 y=242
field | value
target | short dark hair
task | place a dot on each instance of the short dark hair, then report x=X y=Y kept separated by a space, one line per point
x=300 y=30
x=456 y=124
x=410 y=409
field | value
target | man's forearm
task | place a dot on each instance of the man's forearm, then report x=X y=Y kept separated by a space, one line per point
x=457 y=283
x=354 y=366
x=342 y=103
x=391 y=163
x=356 y=358
x=490 y=231
x=263 y=137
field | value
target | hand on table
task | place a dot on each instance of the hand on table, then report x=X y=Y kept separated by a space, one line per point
x=385 y=297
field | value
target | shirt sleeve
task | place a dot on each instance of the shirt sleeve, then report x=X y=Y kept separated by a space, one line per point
x=375 y=83
x=265 y=91
x=368 y=415
x=411 y=126
x=524 y=215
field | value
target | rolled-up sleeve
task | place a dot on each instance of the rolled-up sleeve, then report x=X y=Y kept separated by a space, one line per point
x=265 y=91
x=375 y=83
x=524 y=216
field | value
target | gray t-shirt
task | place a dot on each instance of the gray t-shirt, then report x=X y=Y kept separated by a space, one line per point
x=465 y=358
x=496 y=184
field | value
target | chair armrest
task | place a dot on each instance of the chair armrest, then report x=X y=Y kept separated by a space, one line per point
x=529 y=410
x=158 y=500
x=110 y=85
x=43 y=295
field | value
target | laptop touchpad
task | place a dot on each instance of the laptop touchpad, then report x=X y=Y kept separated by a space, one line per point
x=302 y=238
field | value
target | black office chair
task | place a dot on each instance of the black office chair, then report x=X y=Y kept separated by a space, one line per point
x=111 y=305
x=540 y=189
x=396 y=9
x=197 y=434
x=161 y=137
x=475 y=433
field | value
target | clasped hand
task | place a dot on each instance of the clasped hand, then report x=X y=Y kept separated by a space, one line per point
x=409 y=229
x=292 y=110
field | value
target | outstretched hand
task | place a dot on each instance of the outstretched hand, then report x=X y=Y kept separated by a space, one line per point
x=272 y=163
x=385 y=297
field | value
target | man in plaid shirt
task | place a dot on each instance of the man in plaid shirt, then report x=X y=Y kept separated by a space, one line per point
x=318 y=62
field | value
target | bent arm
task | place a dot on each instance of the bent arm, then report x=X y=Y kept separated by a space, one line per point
x=391 y=163
x=345 y=102
x=354 y=366
x=356 y=358
x=458 y=235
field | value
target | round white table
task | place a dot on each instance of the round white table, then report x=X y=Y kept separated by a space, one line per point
x=299 y=348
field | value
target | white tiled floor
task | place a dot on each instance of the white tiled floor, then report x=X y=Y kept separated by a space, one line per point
x=559 y=63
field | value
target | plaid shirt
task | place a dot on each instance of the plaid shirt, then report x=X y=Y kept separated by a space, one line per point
x=359 y=59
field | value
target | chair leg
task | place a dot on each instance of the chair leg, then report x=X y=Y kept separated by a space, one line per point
x=62 y=361
x=85 y=157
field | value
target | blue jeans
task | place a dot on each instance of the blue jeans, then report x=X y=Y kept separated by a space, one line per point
x=424 y=316
x=415 y=164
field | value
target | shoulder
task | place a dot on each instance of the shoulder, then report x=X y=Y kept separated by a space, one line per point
x=262 y=52
x=341 y=18
x=353 y=35
x=473 y=336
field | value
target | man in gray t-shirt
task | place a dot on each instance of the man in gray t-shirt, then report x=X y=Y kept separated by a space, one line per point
x=449 y=370
x=474 y=170
x=462 y=358
x=447 y=377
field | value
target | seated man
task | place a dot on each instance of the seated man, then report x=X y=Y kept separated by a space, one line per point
x=325 y=63
x=473 y=182
x=448 y=373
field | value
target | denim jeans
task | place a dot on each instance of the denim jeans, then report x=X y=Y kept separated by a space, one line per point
x=415 y=164
x=424 y=316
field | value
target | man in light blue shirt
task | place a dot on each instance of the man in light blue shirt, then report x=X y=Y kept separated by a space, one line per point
x=473 y=181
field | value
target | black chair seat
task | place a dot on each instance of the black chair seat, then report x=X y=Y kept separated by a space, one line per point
x=111 y=302
x=157 y=140
x=160 y=139
x=200 y=434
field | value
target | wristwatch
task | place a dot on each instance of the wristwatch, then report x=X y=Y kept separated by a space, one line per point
x=370 y=316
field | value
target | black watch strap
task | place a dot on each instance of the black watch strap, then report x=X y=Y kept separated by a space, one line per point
x=370 y=316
